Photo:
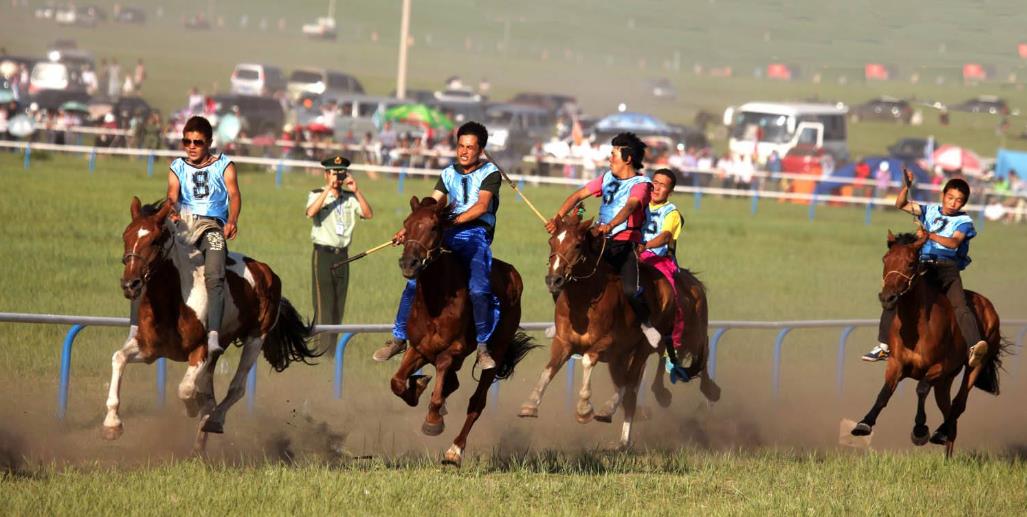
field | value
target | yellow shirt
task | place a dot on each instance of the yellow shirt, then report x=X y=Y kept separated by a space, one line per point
x=671 y=221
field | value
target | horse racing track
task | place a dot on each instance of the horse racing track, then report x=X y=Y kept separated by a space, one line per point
x=302 y=451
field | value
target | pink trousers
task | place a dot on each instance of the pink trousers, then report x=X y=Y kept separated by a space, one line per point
x=669 y=269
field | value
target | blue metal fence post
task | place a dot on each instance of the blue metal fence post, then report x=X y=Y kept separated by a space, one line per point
x=162 y=376
x=279 y=171
x=841 y=356
x=251 y=388
x=340 y=352
x=870 y=210
x=62 y=392
x=92 y=161
x=755 y=196
x=399 y=182
x=777 y=358
x=149 y=165
x=28 y=155
x=570 y=381
x=711 y=364
x=698 y=193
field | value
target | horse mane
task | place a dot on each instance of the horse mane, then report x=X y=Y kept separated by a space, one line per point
x=432 y=203
x=905 y=238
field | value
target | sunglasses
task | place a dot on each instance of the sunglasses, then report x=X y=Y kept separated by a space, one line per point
x=196 y=143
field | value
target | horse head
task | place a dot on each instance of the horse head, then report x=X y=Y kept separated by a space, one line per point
x=144 y=238
x=901 y=265
x=424 y=227
x=570 y=244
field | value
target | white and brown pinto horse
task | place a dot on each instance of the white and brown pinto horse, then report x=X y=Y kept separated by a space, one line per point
x=172 y=315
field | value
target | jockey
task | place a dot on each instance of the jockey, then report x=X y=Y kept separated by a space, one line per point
x=205 y=192
x=949 y=231
x=625 y=193
x=663 y=226
x=471 y=187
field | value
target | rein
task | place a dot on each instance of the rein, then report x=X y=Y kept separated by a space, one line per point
x=909 y=279
x=582 y=258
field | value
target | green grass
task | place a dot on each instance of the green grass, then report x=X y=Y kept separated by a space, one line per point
x=544 y=484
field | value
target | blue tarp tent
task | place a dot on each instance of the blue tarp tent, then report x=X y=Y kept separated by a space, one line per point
x=895 y=166
x=1007 y=160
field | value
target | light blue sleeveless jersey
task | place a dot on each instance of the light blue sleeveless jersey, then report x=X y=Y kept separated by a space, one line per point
x=654 y=226
x=615 y=195
x=463 y=189
x=202 y=191
x=935 y=221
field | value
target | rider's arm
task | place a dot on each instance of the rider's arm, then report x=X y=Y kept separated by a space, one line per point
x=234 y=201
x=659 y=240
x=902 y=201
x=489 y=189
x=949 y=242
x=640 y=194
x=173 y=187
x=669 y=233
x=568 y=205
x=315 y=205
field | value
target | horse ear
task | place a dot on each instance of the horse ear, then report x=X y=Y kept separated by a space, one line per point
x=891 y=239
x=414 y=203
x=136 y=207
x=164 y=210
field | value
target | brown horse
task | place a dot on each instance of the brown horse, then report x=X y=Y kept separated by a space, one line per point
x=173 y=308
x=594 y=319
x=441 y=330
x=926 y=344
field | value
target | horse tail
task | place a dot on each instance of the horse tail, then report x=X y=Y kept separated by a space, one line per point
x=287 y=341
x=987 y=381
x=518 y=347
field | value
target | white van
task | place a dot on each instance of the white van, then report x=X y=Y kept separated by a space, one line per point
x=765 y=127
x=250 y=79
x=47 y=75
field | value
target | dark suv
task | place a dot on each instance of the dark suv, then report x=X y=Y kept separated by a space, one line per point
x=910 y=148
x=260 y=115
x=883 y=108
x=983 y=104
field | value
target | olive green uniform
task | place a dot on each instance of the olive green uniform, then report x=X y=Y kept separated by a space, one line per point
x=331 y=233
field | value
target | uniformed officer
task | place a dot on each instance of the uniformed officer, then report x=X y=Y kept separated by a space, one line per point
x=333 y=210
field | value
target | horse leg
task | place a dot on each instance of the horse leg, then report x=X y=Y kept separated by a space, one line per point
x=129 y=353
x=584 y=408
x=660 y=391
x=187 y=388
x=215 y=421
x=634 y=381
x=605 y=415
x=559 y=352
x=920 y=431
x=892 y=376
x=958 y=406
x=943 y=397
x=454 y=455
x=433 y=421
x=404 y=383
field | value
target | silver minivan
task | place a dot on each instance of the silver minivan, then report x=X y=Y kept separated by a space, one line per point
x=252 y=79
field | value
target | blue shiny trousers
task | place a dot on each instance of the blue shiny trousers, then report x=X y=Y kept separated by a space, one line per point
x=472 y=246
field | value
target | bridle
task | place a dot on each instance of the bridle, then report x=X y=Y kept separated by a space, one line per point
x=429 y=253
x=161 y=253
x=909 y=279
x=581 y=258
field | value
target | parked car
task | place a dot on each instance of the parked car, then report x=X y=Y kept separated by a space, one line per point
x=259 y=115
x=82 y=15
x=54 y=99
x=514 y=129
x=910 y=149
x=804 y=159
x=130 y=15
x=412 y=95
x=324 y=28
x=983 y=104
x=125 y=108
x=453 y=95
x=322 y=82
x=354 y=112
x=556 y=103
x=252 y=79
x=882 y=108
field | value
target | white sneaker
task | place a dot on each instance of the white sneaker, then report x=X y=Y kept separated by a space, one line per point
x=214 y=344
x=652 y=335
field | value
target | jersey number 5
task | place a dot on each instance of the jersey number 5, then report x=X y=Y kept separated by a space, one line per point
x=200 y=187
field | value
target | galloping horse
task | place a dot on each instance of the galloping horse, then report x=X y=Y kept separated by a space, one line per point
x=441 y=325
x=926 y=343
x=173 y=307
x=594 y=319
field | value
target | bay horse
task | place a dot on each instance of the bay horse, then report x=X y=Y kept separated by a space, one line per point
x=168 y=275
x=595 y=320
x=440 y=330
x=926 y=344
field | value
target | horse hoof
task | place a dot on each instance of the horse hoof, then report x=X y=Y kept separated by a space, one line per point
x=584 y=419
x=939 y=438
x=443 y=411
x=213 y=426
x=919 y=435
x=528 y=412
x=431 y=429
x=453 y=456
x=113 y=432
x=663 y=397
x=605 y=418
x=861 y=429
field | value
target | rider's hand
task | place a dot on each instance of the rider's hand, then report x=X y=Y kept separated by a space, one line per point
x=602 y=229
x=551 y=225
x=400 y=236
x=908 y=177
x=350 y=184
x=230 y=230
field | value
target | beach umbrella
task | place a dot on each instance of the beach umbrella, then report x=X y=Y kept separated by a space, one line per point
x=419 y=114
x=953 y=157
x=75 y=106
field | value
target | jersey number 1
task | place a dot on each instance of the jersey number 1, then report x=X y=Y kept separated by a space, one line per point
x=200 y=188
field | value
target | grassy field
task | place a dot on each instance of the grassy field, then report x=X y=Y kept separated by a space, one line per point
x=753 y=452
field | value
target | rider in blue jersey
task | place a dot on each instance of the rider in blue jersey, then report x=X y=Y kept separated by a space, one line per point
x=206 y=194
x=471 y=188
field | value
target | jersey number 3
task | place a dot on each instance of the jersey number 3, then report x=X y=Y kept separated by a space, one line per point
x=200 y=187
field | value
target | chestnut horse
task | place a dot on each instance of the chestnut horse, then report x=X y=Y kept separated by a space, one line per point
x=926 y=344
x=163 y=271
x=594 y=319
x=440 y=330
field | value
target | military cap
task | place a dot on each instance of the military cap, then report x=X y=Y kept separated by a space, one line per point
x=335 y=163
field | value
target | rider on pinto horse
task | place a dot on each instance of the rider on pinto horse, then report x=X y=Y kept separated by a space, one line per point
x=472 y=188
x=625 y=193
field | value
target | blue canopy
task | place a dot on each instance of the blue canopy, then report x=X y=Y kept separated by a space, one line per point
x=637 y=122
x=1007 y=160
x=895 y=166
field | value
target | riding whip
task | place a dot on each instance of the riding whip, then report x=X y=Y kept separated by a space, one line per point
x=361 y=255
x=517 y=190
